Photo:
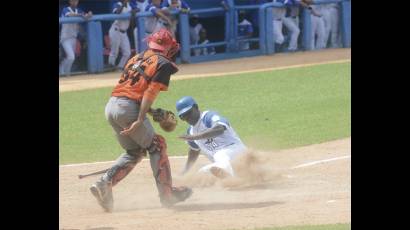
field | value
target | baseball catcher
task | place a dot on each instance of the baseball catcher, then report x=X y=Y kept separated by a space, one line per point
x=144 y=76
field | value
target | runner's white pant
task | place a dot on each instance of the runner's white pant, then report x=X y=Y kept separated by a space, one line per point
x=222 y=159
x=69 y=49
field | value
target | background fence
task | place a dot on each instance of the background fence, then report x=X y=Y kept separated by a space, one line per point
x=263 y=44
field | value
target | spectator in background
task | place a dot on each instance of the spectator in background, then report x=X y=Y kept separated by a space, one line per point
x=245 y=30
x=279 y=19
x=318 y=27
x=160 y=19
x=203 y=39
x=68 y=36
x=194 y=28
x=139 y=6
x=118 y=35
x=178 y=5
x=291 y=21
x=225 y=5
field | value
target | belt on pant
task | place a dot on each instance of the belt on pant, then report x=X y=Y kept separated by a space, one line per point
x=122 y=31
x=138 y=102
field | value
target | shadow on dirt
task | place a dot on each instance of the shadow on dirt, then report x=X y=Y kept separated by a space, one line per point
x=264 y=186
x=101 y=228
x=223 y=206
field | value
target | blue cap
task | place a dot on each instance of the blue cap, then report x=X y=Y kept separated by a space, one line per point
x=185 y=104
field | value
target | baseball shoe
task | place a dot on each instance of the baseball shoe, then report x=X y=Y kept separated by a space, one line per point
x=111 y=67
x=102 y=191
x=179 y=194
x=218 y=172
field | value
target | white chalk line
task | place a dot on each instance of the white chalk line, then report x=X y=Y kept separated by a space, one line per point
x=183 y=157
x=105 y=82
x=190 y=76
x=321 y=161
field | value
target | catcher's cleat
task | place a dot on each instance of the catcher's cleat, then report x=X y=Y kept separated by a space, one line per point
x=103 y=193
x=179 y=194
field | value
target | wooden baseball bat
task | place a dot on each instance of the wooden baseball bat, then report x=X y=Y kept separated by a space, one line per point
x=81 y=176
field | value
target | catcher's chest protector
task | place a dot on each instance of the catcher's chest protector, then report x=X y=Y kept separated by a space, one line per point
x=138 y=74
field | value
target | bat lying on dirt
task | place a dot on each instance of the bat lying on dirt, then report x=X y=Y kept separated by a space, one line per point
x=81 y=176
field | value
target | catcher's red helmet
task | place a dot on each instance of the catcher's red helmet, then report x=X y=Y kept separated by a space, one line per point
x=163 y=41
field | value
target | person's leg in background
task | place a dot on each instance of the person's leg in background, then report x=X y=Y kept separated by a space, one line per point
x=327 y=24
x=115 y=45
x=294 y=33
x=320 y=42
x=277 y=32
x=334 y=24
x=136 y=39
x=125 y=50
x=313 y=20
x=69 y=49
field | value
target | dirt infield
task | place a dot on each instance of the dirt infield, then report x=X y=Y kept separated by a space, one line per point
x=315 y=193
x=306 y=185
x=232 y=66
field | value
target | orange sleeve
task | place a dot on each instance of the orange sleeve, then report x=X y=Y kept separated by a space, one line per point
x=153 y=90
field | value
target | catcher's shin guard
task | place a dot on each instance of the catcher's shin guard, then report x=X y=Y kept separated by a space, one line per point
x=162 y=173
x=125 y=163
x=160 y=166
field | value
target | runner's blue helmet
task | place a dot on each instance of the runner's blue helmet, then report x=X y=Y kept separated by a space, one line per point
x=185 y=104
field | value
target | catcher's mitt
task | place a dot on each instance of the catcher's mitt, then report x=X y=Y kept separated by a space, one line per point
x=165 y=118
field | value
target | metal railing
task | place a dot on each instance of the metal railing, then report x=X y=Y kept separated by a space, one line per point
x=266 y=40
x=266 y=24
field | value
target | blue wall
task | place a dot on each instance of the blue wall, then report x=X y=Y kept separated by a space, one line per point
x=220 y=33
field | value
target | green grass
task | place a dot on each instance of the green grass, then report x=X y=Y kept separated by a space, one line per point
x=275 y=109
x=312 y=227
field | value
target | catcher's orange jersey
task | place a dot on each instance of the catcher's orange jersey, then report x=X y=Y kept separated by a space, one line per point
x=145 y=75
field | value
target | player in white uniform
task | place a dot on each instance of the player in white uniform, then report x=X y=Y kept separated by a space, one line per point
x=209 y=134
x=160 y=19
x=279 y=19
x=203 y=40
x=194 y=27
x=140 y=6
x=245 y=30
x=331 y=20
x=178 y=5
x=118 y=35
x=69 y=33
x=318 y=28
